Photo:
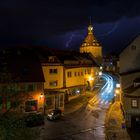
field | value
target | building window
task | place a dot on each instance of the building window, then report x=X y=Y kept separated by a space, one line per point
x=49 y=102
x=51 y=58
x=81 y=73
x=53 y=83
x=89 y=71
x=78 y=73
x=31 y=87
x=69 y=74
x=53 y=71
x=134 y=103
x=61 y=100
x=75 y=74
x=85 y=72
x=31 y=105
x=133 y=47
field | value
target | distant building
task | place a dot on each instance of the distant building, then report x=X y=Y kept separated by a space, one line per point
x=91 y=45
x=111 y=63
x=130 y=82
x=21 y=81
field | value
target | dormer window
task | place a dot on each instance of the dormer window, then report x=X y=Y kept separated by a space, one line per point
x=136 y=82
x=51 y=58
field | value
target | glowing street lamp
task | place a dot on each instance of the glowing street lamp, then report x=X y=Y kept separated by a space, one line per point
x=100 y=73
x=101 y=67
x=91 y=78
x=117 y=85
x=117 y=91
x=41 y=95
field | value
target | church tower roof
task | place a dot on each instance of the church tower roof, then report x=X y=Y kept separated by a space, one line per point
x=90 y=39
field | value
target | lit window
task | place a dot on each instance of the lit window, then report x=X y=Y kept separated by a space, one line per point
x=49 y=102
x=85 y=72
x=89 y=71
x=53 y=71
x=78 y=73
x=53 y=83
x=51 y=58
x=134 y=103
x=31 y=105
x=69 y=74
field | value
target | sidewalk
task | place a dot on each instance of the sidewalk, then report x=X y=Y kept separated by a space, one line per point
x=78 y=102
x=115 y=127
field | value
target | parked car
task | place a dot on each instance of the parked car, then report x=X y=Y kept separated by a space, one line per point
x=34 y=119
x=54 y=114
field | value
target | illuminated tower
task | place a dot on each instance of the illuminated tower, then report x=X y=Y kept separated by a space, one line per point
x=91 y=45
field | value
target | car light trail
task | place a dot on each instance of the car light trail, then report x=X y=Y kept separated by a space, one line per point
x=107 y=93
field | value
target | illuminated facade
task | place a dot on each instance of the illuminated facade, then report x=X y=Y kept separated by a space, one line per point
x=67 y=74
x=91 y=45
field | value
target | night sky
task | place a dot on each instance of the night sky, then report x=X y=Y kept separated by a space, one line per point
x=63 y=24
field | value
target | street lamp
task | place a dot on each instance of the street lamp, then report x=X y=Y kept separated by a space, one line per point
x=41 y=95
x=117 y=85
x=117 y=94
x=101 y=68
x=117 y=91
x=90 y=78
x=100 y=73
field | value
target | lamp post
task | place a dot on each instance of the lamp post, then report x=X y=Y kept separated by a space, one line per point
x=117 y=93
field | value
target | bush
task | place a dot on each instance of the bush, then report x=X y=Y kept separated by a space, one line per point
x=14 y=128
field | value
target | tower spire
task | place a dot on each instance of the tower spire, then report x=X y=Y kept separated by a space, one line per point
x=90 y=27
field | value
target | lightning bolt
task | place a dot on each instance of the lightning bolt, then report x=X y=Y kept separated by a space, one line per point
x=70 y=40
x=74 y=35
x=110 y=31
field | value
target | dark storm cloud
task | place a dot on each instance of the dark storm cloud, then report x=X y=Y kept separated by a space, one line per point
x=26 y=21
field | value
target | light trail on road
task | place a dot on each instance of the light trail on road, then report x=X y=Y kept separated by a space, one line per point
x=107 y=92
x=87 y=123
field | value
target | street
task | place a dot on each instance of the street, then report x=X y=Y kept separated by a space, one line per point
x=85 y=124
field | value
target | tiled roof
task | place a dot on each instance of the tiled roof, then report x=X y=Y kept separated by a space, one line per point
x=131 y=89
x=130 y=72
x=129 y=42
x=22 y=65
x=63 y=57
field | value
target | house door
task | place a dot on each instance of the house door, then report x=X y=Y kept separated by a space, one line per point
x=56 y=101
x=135 y=122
